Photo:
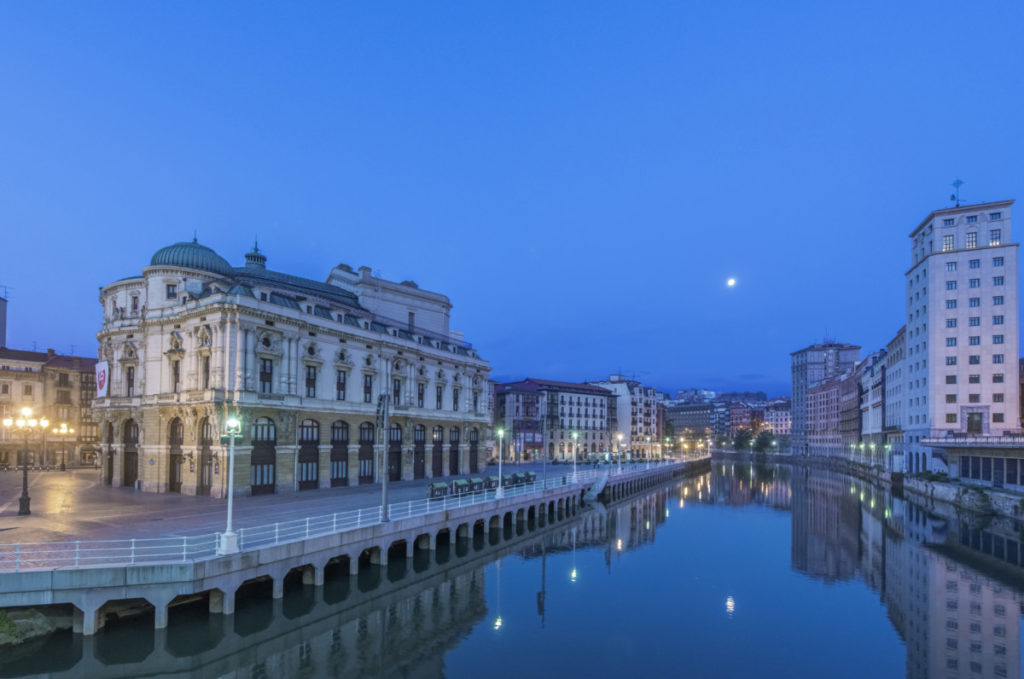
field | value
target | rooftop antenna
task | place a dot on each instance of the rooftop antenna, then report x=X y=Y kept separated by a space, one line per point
x=195 y=235
x=956 y=196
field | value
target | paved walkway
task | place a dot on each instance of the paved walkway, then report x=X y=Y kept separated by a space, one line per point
x=75 y=505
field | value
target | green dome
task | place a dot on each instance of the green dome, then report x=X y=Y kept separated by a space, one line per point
x=192 y=256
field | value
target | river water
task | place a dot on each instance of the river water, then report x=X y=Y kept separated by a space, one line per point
x=745 y=571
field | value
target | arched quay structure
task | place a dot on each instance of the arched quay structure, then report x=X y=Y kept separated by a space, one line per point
x=193 y=340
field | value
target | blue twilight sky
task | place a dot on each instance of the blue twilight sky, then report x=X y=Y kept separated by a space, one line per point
x=580 y=178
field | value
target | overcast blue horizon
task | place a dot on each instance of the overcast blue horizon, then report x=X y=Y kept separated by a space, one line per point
x=580 y=179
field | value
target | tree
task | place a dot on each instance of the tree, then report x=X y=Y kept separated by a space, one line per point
x=763 y=441
x=741 y=440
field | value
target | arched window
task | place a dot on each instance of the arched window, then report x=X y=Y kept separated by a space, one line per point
x=438 y=434
x=131 y=432
x=366 y=432
x=205 y=431
x=309 y=431
x=419 y=434
x=339 y=432
x=453 y=435
x=177 y=432
x=263 y=429
x=395 y=433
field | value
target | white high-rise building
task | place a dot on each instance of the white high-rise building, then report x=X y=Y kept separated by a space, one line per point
x=960 y=374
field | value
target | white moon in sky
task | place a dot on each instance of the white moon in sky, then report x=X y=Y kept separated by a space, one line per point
x=731 y=282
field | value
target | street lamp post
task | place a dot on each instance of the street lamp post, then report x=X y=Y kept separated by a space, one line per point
x=618 y=451
x=26 y=425
x=63 y=431
x=575 y=436
x=500 y=492
x=229 y=539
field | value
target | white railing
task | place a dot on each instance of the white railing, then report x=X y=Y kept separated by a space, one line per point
x=97 y=553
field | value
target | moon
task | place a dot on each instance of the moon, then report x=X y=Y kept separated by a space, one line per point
x=731 y=282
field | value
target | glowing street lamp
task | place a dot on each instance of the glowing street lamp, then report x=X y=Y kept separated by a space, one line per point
x=27 y=425
x=575 y=437
x=63 y=431
x=500 y=491
x=618 y=450
x=229 y=539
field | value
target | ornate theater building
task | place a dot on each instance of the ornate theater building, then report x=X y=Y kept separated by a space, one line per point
x=309 y=367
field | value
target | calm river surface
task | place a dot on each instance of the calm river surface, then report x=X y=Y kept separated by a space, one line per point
x=746 y=571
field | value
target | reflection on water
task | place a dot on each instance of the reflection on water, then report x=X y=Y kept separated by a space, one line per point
x=653 y=583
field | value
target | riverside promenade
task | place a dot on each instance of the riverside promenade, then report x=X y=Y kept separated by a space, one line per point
x=179 y=560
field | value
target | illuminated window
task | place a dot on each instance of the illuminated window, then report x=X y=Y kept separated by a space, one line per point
x=947 y=243
x=972 y=240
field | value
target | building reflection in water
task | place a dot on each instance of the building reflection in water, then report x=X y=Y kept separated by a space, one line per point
x=951 y=581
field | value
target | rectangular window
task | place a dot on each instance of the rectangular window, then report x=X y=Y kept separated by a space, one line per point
x=997 y=320
x=986 y=468
x=997 y=261
x=974 y=264
x=971 y=219
x=172 y=291
x=993 y=216
x=440 y=397
x=974 y=321
x=175 y=376
x=420 y=394
x=997 y=358
x=997 y=280
x=950 y=379
x=997 y=300
x=995 y=236
x=476 y=401
x=974 y=398
x=206 y=372
x=129 y=381
x=951 y=360
x=997 y=339
x=997 y=398
x=950 y=398
x=997 y=417
x=310 y=381
x=396 y=391
x=947 y=243
x=950 y=341
x=950 y=266
x=974 y=379
x=950 y=322
x=455 y=399
x=339 y=386
x=950 y=303
x=974 y=302
x=1011 y=471
x=974 y=340
x=974 y=360
x=951 y=285
x=997 y=378
x=974 y=283
x=266 y=375
x=975 y=467
x=948 y=221
x=367 y=388
x=972 y=240
x=950 y=418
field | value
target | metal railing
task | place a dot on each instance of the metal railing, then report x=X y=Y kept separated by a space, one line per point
x=143 y=551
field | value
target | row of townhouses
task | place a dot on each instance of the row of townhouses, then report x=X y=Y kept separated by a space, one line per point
x=943 y=395
x=724 y=415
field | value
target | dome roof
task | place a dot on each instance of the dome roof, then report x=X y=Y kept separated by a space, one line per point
x=192 y=256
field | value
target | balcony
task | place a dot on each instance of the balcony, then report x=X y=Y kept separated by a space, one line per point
x=955 y=439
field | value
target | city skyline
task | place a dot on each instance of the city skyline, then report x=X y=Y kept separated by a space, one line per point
x=576 y=189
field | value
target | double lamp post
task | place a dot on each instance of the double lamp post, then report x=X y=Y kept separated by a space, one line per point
x=26 y=424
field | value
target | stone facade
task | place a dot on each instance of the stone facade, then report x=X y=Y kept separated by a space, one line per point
x=61 y=388
x=305 y=365
x=639 y=407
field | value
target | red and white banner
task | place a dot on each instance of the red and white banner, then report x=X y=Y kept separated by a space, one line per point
x=102 y=379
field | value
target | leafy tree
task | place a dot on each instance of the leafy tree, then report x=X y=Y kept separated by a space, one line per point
x=741 y=440
x=763 y=441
